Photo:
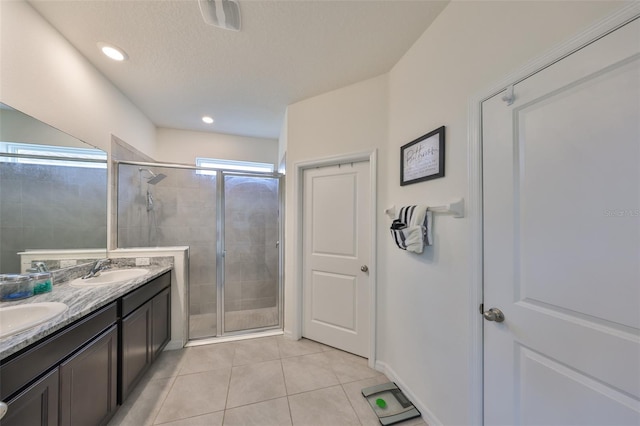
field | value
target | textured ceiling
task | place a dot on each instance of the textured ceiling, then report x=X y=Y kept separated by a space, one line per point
x=179 y=68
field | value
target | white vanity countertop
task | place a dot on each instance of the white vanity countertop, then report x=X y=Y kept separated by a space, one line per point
x=81 y=302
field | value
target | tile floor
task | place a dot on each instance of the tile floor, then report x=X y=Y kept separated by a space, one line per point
x=267 y=381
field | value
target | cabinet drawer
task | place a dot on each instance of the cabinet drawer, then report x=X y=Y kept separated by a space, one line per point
x=21 y=370
x=138 y=297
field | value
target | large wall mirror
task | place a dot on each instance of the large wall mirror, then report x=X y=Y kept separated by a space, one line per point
x=53 y=190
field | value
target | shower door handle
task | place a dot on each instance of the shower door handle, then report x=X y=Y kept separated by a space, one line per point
x=277 y=244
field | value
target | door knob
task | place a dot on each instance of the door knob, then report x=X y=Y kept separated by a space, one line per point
x=493 y=314
x=364 y=268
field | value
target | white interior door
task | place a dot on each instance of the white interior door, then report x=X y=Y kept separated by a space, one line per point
x=561 y=188
x=336 y=228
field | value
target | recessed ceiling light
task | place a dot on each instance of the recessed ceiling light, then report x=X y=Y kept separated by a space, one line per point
x=113 y=52
x=207 y=119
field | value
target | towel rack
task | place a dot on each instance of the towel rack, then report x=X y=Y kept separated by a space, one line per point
x=456 y=208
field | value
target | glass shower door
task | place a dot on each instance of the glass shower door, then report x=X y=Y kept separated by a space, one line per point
x=162 y=206
x=251 y=290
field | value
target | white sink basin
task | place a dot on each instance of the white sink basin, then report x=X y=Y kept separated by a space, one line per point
x=109 y=277
x=14 y=319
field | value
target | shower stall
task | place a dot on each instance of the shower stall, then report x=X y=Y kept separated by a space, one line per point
x=231 y=223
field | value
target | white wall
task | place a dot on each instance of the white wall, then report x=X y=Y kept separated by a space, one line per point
x=282 y=142
x=183 y=146
x=42 y=75
x=423 y=301
x=349 y=120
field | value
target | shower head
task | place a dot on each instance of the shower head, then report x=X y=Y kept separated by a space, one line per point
x=155 y=178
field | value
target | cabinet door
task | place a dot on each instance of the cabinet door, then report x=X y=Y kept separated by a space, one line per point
x=37 y=405
x=161 y=321
x=88 y=382
x=136 y=347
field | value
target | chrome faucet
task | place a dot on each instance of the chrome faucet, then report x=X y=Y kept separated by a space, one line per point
x=38 y=267
x=97 y=267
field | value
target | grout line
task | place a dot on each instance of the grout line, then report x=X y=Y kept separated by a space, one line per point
x=226 y=401
x=351 y=404
x=284 y=379
x=290 y=413
x=190 y=417
x=173 y=381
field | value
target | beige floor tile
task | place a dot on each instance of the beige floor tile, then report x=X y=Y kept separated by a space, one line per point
x=207 y=357
x=213 y=419
x=256 y=350
x=323 y=407
x=350 y=368
x=143 y=404
x=289 y=347
x=168 y=364
x=360 y=405
x=268 y=413
x=418 y=421
x=255 y=383
x=195 y=394
x=308 y=372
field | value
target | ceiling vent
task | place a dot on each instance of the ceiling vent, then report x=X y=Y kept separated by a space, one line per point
x=221 y=13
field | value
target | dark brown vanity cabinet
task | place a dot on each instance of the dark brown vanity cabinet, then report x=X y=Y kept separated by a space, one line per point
x=80 y=374
x=69 y=378
x=161 y=330
x=145 y=330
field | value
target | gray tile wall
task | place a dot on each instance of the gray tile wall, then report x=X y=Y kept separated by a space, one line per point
x=184 y=213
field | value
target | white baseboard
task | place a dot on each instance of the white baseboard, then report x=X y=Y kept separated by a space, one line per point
x=427 y=414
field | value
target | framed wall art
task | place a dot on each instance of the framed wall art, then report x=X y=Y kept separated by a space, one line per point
x=422 y=159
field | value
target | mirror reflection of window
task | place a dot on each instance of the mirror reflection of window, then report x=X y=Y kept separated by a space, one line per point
x=23 y=153
x=53 y=191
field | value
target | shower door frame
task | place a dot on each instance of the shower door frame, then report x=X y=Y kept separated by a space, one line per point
x=220 y=255
x=221 y=252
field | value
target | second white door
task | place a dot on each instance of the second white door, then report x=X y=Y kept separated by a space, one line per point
x=336 y=240
x=562 y=241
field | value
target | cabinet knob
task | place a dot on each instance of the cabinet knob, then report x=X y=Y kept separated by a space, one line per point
x=3 y=409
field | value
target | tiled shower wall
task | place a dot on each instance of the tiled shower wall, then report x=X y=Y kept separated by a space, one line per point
x=183 y=213
x=50 y=207
x=120 y=151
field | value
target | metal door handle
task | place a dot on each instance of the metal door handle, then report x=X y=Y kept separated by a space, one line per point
x=364 y=268
x=493 y=314
x=3 y=409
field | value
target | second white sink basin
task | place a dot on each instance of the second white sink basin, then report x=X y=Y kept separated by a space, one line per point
x=109 y=277
x=15 y=319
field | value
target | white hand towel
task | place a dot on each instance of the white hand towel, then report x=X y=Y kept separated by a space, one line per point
x=411 y=229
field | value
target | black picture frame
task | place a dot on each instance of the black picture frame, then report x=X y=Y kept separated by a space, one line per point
x=423 y=158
